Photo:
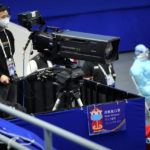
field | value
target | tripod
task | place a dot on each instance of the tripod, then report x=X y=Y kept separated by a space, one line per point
x=67 y=97
x=69 y=91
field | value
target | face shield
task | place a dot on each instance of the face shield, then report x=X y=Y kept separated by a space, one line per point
x=141 y=52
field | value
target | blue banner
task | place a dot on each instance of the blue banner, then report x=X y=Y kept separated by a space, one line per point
x=106 y=118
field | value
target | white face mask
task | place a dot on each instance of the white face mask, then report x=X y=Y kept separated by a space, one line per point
x=4 y=22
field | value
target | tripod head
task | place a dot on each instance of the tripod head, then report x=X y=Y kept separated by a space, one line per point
x=69 y=78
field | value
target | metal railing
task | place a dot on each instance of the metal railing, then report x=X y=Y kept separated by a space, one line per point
x=49 y=129
x=11 y=143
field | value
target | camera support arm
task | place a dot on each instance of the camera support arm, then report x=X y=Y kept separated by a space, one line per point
x=52 y=28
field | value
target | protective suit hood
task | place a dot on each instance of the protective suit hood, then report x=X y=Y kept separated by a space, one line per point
x=141 y=52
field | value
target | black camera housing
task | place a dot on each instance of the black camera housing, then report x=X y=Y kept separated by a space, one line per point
x=70 y=44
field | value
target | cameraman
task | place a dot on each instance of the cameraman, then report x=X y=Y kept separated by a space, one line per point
x=8 y=90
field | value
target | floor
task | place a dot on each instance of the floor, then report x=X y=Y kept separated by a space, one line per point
x=122 y=66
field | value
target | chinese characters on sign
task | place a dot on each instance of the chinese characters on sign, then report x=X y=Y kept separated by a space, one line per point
x=106 y=118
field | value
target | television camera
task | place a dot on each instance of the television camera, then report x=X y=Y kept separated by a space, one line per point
x=69 y=44
x=61 y=45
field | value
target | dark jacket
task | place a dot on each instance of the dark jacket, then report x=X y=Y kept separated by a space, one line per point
x=3 y=65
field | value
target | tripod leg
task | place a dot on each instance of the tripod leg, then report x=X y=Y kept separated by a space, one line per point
x=76 y=95
x=79 y=102
x=58 y=100
x=56 y=104
x=73 y=104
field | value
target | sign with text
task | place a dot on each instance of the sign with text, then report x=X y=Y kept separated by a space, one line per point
x=106 y=118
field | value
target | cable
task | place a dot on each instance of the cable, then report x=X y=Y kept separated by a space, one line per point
x=9 y=142
x=24 y=70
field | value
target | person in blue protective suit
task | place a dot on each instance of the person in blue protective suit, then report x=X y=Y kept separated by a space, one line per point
x=140 y=72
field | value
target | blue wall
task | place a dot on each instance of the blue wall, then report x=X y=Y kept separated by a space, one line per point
x=75 y=121
x=126 y=19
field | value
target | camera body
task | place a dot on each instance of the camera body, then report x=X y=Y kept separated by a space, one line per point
x=70 y=44
x=77 y=45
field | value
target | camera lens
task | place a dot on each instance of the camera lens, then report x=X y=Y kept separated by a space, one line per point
x=109 y=51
